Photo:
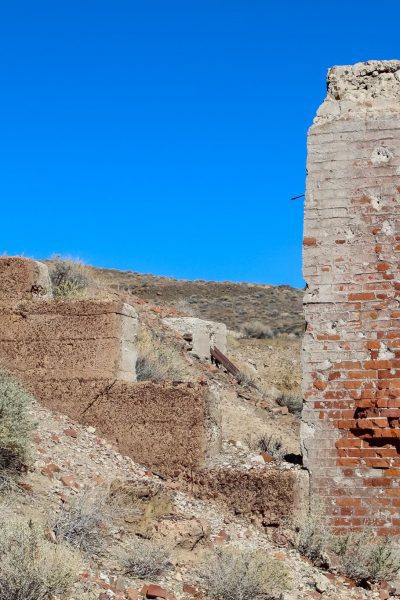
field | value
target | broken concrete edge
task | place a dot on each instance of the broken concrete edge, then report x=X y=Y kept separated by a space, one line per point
x=268 y=495
x=203 y=334
x=363 y=88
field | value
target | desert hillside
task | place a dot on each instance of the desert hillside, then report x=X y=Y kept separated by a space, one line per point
x=279 y=307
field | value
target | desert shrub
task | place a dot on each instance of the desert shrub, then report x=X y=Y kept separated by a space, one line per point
x=15 y=425
x=68 y=278
x=183 y=306
x=360 y=556
x=256 y=329
x=32 y=568
x=272 y=445
x=365 y=558
x=293 y=402
x=145 y=558
x=82 y=523
x=157 y=360
x=241 y=575
x=312 y=540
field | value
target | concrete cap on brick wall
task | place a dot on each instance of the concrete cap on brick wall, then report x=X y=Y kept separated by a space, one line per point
x=363 y=88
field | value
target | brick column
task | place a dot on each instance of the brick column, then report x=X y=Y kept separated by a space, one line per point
x=351 y=350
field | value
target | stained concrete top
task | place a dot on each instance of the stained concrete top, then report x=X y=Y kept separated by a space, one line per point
x=361 y=89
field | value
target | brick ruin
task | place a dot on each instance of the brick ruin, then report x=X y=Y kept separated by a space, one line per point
x=351 y=350
x=78 y=357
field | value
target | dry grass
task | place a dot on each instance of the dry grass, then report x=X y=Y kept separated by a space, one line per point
x=158 y=360
x=145 y=559
x=30 y=567
x=243 y=575
x=82 y=524
x=15 y=426
x=69 y=278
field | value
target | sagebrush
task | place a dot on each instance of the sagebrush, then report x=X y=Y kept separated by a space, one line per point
x=145 y=558
x=82 y=523
x=68 y=277
x=32 y=568
x=294 y=403
x=16 y=425
x=158 y=360
x=243 y=575
x=361 y=556
x=256 y=329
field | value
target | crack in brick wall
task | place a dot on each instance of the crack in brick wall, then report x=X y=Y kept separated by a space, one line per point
x=351 y=349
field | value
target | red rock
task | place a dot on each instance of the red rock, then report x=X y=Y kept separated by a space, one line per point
x=267 y=457
x=55 y=438
x=221 y=538
x=72 y=433
x=84 y=576
x=50 y=469
x=98 y=479
x=156 y=591
x=192 y=590
x=70 y=482
x=51 y=536
x=27 y=487
x=279 y=555
x=132 y=594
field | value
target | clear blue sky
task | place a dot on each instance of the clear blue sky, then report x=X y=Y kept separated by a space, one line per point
x=167 y=136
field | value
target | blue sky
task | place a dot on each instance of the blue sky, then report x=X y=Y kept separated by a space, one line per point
x=167 y=136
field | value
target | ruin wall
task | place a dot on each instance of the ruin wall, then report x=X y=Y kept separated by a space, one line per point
x=351 y=349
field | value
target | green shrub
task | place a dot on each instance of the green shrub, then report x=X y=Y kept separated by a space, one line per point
x=243 y=575
x=32 y=568
x=68 y=278
x=15 y=424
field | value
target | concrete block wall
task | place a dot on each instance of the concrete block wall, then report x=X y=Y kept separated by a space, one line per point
x=78 y=357
x=351 y=349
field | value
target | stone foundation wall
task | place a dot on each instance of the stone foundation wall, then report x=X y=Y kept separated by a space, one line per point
x=351 y=350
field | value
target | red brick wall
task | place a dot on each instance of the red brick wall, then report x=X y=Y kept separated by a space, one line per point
x=351 y=350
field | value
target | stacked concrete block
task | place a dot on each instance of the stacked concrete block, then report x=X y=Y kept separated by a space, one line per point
x=351 y=350
x=79 y=357
x=202 y=335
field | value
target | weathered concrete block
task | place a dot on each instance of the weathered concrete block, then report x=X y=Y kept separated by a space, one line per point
x=202 y=335
x=165 y=425
x=23 y=279
x=351 y=348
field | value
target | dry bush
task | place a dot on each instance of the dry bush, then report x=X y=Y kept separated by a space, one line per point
x=312 y=540
x=157 y=360
x=361 y=556
x=69 y=278
x=15 y=426
x=82 y=524
x=256 y=329
x=145 y=558
x=183 y=306
x=241 y=575
x=32 y=568
x=365 y=558
x=293 y=402
x=270 y=444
